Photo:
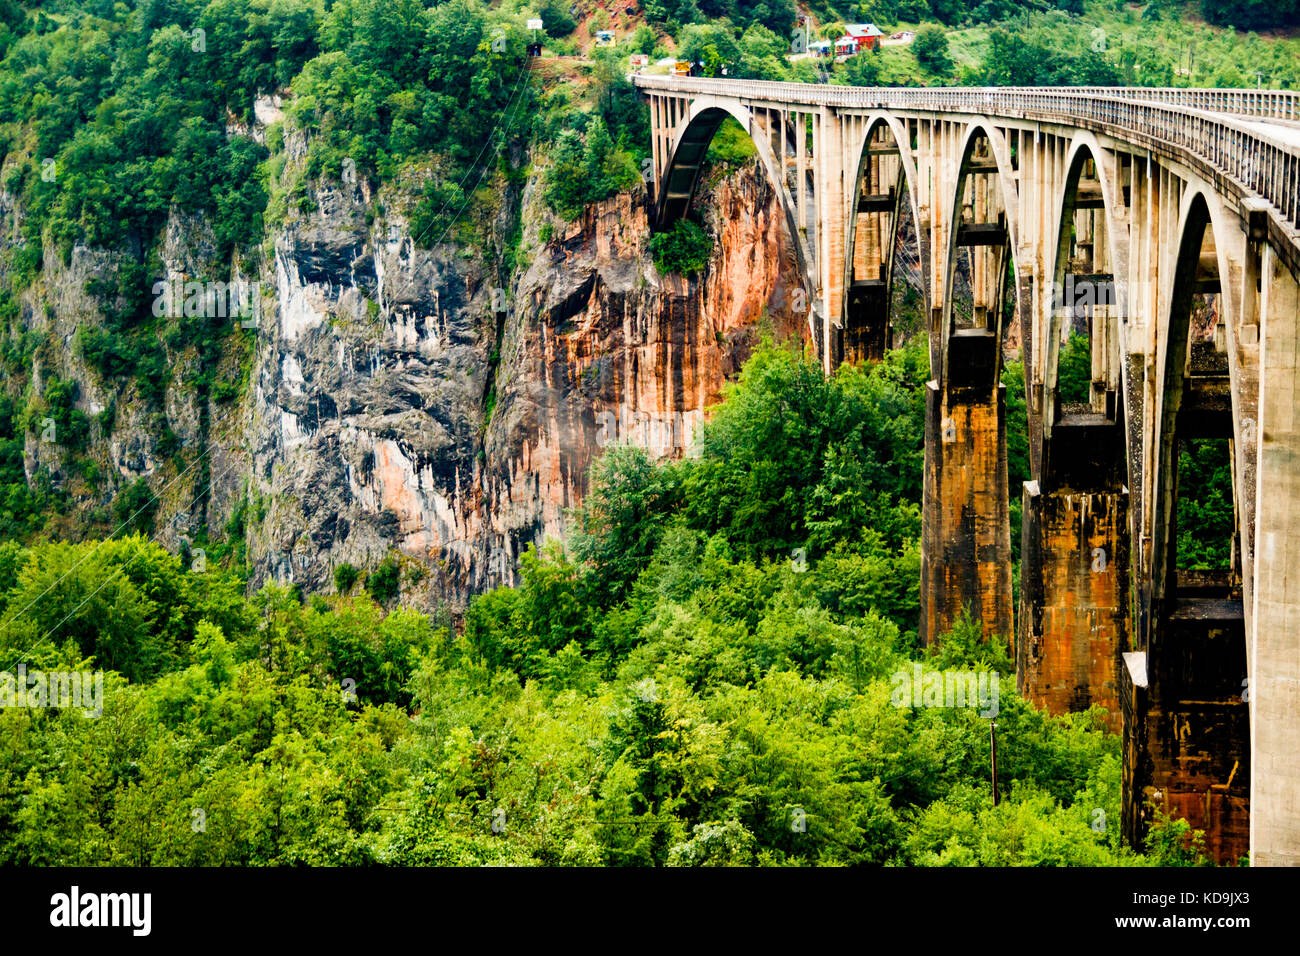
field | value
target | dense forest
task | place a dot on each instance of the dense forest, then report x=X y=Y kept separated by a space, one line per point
x=704 y=679
x=703 y=672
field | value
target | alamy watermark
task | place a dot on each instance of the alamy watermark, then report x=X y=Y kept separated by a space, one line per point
x=1082 y=292
x=129 y=910
x=659 y=434
x=237 y=299
x=82 y=690
x=923 y=688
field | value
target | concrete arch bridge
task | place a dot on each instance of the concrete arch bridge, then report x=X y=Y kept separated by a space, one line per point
x=1162 y=225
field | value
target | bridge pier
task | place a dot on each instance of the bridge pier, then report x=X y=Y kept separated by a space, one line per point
x=1075 y=566
x=1186 y=727
x=1074 y=592
x=965 y=522
x=865 y=336
x=1275 y=635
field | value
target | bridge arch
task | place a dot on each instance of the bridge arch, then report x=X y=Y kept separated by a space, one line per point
x=1202 y=220
x=869 y=298
x=1085 y=142
x=1088 y=184
x=682 y=170
x=982 y=343
x=874 y=122
x=1196 y=614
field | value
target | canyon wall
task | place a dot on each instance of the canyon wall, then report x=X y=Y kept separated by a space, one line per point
x=433 y=406
x=406 y=404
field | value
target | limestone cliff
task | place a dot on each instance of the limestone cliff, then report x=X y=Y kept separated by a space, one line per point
x=600 y=349
x=438 y=405
x=403 y=402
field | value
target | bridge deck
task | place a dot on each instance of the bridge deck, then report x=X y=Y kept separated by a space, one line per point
x=1246 y=136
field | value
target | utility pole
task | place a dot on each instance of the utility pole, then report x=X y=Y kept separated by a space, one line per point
x=993 y=757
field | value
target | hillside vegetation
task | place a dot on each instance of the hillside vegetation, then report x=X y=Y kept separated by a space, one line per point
x=708 y=677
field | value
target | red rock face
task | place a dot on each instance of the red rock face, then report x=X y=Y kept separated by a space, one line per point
x=600 y=349
x=402 y=405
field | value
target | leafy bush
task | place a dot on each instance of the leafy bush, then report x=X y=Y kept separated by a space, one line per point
x=685 y=249
x=384 y=582
x=1074 y=370
x=345 y=575
x=587 y=169
x=71 y=424
x=1252 y=14
x=134 y=507
x=731 y=145
x=1205 y=508
x=862 y=69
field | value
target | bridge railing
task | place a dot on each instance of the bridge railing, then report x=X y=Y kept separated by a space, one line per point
x=1267 y=165
x=1267 y=104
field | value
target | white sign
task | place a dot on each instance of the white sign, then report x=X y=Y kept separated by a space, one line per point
x=535 y=24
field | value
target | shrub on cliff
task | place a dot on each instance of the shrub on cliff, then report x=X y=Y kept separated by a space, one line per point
x=685 y=249
x=345 y=575
x=384 y=582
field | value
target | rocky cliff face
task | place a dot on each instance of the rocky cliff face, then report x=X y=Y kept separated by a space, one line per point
x=428 y=405
x=600 y=349
x=124 y=436
x=403 y=404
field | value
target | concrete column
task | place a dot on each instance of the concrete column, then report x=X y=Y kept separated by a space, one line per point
x=655 y=136
x=801 y=141
x=1074 y=592
x=832 y=225
x=780 y=156
x=1275 y=643
x=965 y=530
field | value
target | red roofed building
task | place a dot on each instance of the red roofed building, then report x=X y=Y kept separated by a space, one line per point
x=866 y=36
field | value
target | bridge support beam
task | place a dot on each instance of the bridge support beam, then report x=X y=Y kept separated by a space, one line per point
x=965 y=522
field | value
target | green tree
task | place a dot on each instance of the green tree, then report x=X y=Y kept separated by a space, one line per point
x=1074 y=370
x=685 y=249
x=862 y=69
x=930 y=47
x=1206 y=512
x=384 y=582
x=622 y=520
x=556 y=19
